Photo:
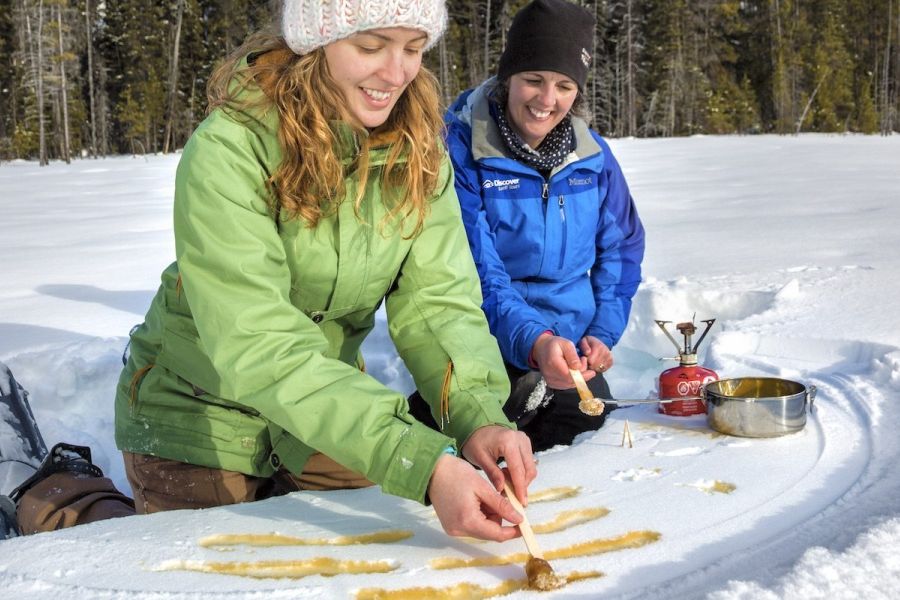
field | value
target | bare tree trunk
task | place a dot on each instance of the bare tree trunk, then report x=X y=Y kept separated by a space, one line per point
x=795 y=72
x=193 y=103
x=487 y=39
x=886 y=77
x=63 y=94
x=55 y=110
x=778 y=66
x=620 y=92
x=24 y=33
x=472 y=46
x=810 y=101
x=605 y=71
x=694 y=113
x=676 y=78
x=173 y=79
x=445 y=71
x=90 y=61
x=594 y=67
x=505 y=22
x=37 y=62
x=630 y=92
x=102 y=111
x=894 y=100
x=43 y=160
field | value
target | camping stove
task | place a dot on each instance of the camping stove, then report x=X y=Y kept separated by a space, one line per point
x=681 y=386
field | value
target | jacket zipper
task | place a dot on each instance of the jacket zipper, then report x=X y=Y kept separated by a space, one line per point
x=445 y=395
x=135 y=383
x=562 y=223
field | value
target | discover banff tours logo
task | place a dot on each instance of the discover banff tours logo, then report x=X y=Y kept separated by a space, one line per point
x=501 y=185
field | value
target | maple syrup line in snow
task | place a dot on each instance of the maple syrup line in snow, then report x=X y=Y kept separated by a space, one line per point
x=280 y=569
x=632 y=539
x=716 y=487
x=551 y=494
x=469 y=591
x=327 y=566
x=562 y=521
x=570 y=518
x=276 y=539
x=699 y=430
x=722 y=487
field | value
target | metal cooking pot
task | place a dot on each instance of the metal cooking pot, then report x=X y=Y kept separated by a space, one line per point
x=757 y=406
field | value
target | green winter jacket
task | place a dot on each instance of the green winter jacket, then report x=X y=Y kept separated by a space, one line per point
x=249 y=356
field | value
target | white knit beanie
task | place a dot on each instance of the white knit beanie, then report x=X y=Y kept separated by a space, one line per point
x=309 y=24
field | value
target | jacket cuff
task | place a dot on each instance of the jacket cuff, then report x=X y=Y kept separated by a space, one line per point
x=412 y=462
x=603 y=336
x=473 y=415
x=531 y=362
x=525 y=344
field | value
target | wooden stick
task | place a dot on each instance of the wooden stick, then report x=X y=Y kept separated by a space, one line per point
x=588 y=405
x=524 y=526
x=627 y=433
x=583 y=392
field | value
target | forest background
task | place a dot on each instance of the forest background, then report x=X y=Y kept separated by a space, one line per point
x=85 y=78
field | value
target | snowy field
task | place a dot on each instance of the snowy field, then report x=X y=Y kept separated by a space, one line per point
x=792 y=243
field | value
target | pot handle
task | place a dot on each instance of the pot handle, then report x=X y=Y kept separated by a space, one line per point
x=811 y=396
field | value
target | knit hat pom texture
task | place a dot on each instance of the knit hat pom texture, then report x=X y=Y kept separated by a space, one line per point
x=310 y=24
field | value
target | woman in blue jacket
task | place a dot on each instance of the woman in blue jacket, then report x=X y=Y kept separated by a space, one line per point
x=550 y=221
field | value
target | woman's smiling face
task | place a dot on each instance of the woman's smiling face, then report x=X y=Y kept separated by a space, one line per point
x=538 y=101
x=372 y=69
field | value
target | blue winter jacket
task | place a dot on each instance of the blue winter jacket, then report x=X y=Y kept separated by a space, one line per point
x=562 y=254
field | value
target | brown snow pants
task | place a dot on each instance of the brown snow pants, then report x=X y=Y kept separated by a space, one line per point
x=66 y=499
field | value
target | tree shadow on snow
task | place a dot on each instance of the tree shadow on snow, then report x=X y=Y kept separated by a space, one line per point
x=16 y=336
x=133 y=301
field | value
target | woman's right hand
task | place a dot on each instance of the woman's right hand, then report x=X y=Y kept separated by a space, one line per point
x=468 y=505
x=554 y=357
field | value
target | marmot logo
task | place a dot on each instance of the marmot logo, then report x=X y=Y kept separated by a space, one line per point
x=585 y=57
x=581 y=181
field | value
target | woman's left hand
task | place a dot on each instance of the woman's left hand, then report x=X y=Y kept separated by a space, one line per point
x=489 y=444
x=599 y=357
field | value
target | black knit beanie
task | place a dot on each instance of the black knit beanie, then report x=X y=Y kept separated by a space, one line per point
x=549 y=35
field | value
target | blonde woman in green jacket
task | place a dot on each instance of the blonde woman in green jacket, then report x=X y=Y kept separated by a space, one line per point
x=317 y=189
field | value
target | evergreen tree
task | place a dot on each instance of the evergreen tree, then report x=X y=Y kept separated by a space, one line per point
x=732 y=104
x=113 y=75
x=133 y=45
x=870 y=32
x=9 y=73
x=831 y=69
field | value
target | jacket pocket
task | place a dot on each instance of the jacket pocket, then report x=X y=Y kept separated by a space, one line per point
x=469 y=367
x=181 y=350
x=168 y=404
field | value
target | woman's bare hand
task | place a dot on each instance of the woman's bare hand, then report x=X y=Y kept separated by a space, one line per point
x=598 y=355
x=488 y=445
x=467 y=505
x=554 y=356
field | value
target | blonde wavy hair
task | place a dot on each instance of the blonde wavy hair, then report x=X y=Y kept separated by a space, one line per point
x=309 y=182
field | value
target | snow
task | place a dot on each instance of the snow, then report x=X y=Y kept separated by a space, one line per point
x=791 y=243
